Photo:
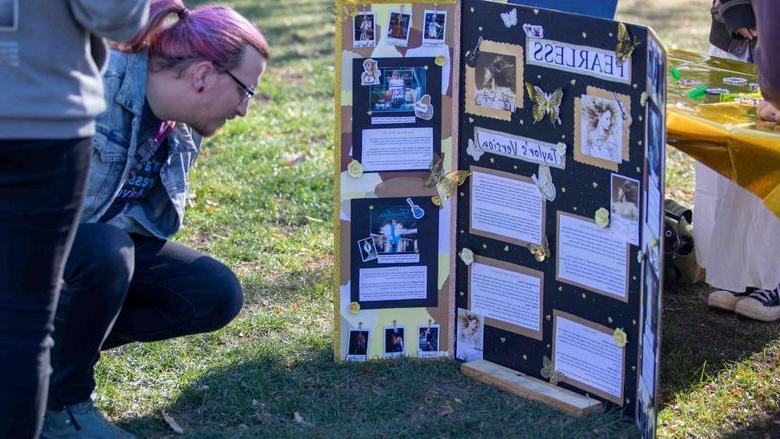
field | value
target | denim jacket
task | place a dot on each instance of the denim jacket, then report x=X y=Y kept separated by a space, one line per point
x=161 y=211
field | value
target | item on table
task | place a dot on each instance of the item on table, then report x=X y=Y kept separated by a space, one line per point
x=735 y=81
x=697 y=92
x=689 y=82
x=717 y=91
x=676 y=74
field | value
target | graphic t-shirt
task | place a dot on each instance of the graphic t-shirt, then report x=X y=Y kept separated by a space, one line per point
x=149 y=158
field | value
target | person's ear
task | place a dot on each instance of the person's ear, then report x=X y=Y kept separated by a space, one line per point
x=201 y=75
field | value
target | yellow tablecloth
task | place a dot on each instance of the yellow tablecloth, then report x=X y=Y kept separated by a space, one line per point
x=724 y=136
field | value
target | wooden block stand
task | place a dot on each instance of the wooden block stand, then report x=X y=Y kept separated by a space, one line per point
x=530 y=388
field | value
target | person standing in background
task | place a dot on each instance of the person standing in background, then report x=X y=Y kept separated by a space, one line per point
x=767 y=53
x=51 y=53
x=737 y=237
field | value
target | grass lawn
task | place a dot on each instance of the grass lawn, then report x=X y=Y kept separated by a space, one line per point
x=262 y=202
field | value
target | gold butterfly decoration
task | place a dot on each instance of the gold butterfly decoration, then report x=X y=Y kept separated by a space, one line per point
x=446 y=184
x=540 y=252
x=545 y=103
x=625 y=45
x=548 y=372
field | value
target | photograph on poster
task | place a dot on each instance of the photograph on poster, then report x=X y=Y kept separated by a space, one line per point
x=506 y=207
x=496 y=81
x=434 y=28
x=398 y=89
x=624 y=203
x=394 y=232
x=371 y=73
x=588 y=357
x=394 y=342
x=601 y=129
x=509 y=296
x=367 y=249
x=364 y=30
x=655 y=72
x=357 y=347
x=650 y=295
x=646 y=418
x=395 y=252
x=470 y=335
x=591 y=257
x=9 y=14
x=648 y=361
x=655 y=147
x=428 y=341
x=398 y=28
x=424 y=109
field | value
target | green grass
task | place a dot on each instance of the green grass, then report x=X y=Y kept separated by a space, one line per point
x=262 y=203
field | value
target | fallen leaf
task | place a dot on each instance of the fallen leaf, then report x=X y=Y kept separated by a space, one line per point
x=300 y=421
x=172 y=423
x=445 y=410
x=300 y=158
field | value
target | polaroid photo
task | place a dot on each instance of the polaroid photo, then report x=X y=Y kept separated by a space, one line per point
x=371 y=72
x=394 y=342
x=470 y=335
x=624 y=205
x=400 y=90
x=364 y=30
x=367 y=249
x=357 y=349
x=434 y=28
x=398 y=28
x=9 y=15
x=601 y=128
x=428 y=341
x=393 y=230
x=494 y=85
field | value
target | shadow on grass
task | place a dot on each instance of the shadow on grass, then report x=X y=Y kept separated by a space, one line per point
x=698 y=342
x=259 y=397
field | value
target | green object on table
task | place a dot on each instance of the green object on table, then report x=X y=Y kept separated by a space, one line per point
x=676 y=74
x=741 y=97
x=697 y=92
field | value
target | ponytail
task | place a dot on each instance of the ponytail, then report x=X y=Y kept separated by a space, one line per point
x=176 y=37
x=159 y=11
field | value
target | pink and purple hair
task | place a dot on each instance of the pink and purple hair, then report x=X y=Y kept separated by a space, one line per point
x=214 y=33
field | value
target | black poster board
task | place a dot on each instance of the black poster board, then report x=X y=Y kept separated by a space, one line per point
x=539 y=273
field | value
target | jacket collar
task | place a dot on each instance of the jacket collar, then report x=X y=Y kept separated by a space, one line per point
x=132 y=92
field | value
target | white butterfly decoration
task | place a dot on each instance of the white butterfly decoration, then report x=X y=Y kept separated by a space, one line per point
x=473 y=151
x=509 y=18
x=544 y=183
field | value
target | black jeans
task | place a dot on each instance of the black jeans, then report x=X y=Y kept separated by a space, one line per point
x=41 y=193
x=122 y=288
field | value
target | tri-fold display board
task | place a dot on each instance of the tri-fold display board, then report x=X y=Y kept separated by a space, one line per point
x=499 y=187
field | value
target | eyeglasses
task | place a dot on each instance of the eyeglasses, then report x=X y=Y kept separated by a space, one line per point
x=249 y=93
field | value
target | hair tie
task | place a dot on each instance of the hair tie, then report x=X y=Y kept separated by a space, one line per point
x=184 y=13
